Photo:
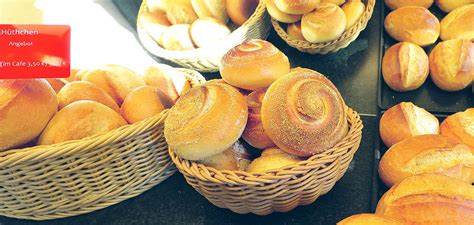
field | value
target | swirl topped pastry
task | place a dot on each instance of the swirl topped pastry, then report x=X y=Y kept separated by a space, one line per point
x=206 y=121
x=304 y=113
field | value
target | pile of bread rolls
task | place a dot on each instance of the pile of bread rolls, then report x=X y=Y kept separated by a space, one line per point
x=316 y=21
x=190 y=24
x=90 y=102
x=286 y=114
x=406 y=66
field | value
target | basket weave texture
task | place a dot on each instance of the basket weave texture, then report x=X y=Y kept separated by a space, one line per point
x=331 y=46
x=80 y=176
x=280 y=190
x=208 y=59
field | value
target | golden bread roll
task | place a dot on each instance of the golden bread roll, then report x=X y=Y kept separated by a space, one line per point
x=429 y=199
x=326 y=23
x=240 y=11
x=72 y=75
x=56 y=83
x=177 y=37
x=452 y=64
x=254 y=133
x=80 y=74
x=335 y=2
x=207 y=31
x=406 y=120
x=413 y=24
x=296 y=6
x=154 y=23
x=221 y=81
x=79 y=120
x=277 y=14
x=450 y=5
x=272 y=160
x=26 y=106
x=180 y=12
x=405 y=66
x=159 y=76
x=368 y=219
x=235 y=157
x=458 y=24
x=303 y=113
x=144 y=102
x=460 y=127
x=353 y=10
x=395 y=4
x=431 y=153
x=294 y=30
x=116 y=81
x=83 y=90
x=206 y=121
x=253 y=64
x=210 y=8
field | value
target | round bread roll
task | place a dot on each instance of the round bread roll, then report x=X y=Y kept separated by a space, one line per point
x=296 y=6
x=159 y=76
x=26 y=106
x=406 y=120
x=154 y=23
x=460 y=127
x=396 y=4
x=353 y=10
x=177 y=37
x=206 y=121
x=116 y=81
x=210 y=8
x=83 y=90
x=452 y=64
x=56 y=83
x=236 y=157
x=272 y=159
x=79 y=120
x=294 y=30
x=254 y=133
x=277 y=14
x=458 y=24
x=253 y=64
x=180 y=12
x=144 y=102
x=413 y=24
x=326 y=23
x=368 y=219
x=450 y=5
x=335 y=2
x=207 y=31
x=240 y=11
x=405 y=66
x=304 y=113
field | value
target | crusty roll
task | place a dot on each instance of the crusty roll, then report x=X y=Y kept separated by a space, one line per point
x=83 y=90
x=368 y=219
x=154 y=23
x=210 y=8
x=335 y=2
x=395 y=4
x=277 y=14
x=254 y=133
x=450 y=5
x=116 y=81
x=79 y=120
x=304 y=113
x=296 y=6
x=353 y=10
x=206 y=121
x=452 y=64
x=429 y=199
x=159 y=76
x=236 y=157
x=26 y=106
x=56 y=83
x=458 y=24
x=413 y=24
x=460 y=127
x=272 y=159
x=240 y=11
x=405 y=66
x=177 y=37
x=326 y=23
x=180 y=12
x=253 y=64
x=294 y=30
x=207 y=31
x=144 y=102
x=431 y=153
x=406 y=120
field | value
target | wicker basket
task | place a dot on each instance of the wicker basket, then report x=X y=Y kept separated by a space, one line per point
x=76 y=177
x=332 y=46
x=280 y=190
x=208 y=59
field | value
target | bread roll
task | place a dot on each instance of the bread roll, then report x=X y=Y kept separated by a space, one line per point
x=72 y=75
x=144 y=102
x=79 y=120
x=56 y=83
x=235 y=157
x=354 y=9
x=335 y=2
x=395 y=4
x=450 y=5
x=294 y=30
x=180 y=12
x=26 y=106
x=208 y=31
x=206 y=121
x=116 y=81
x=154 y=23
x=221 y=81
x=405 y=66
x=452 y=64
x=272 y=159
x=429 y=199
x=413 y=24
x=296 y=6
x=83 y=90
x=240 y=11
x=368 y=219
x=210 y=8
x=406 y=120
x=326 y=23
x=458 y=24
x=80 y=74
x=277 y=14
x=460 y=127
x=304 y=113
x=159 y=76
x=177 y=37
x=253 y=64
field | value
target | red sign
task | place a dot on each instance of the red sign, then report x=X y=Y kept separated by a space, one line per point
x=34 y=51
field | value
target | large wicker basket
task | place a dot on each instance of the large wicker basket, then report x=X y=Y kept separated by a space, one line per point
x=208 y=59
x=331 y=46
x=280 y=190
x=76 y=177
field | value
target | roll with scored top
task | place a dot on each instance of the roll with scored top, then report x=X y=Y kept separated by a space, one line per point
x=458 y=24
x=460 y=127
x=83 y=90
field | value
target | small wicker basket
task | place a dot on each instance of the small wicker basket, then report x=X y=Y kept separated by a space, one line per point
x=208 y=59
x=280 y=190
x=80 y=176
x=331 y=46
